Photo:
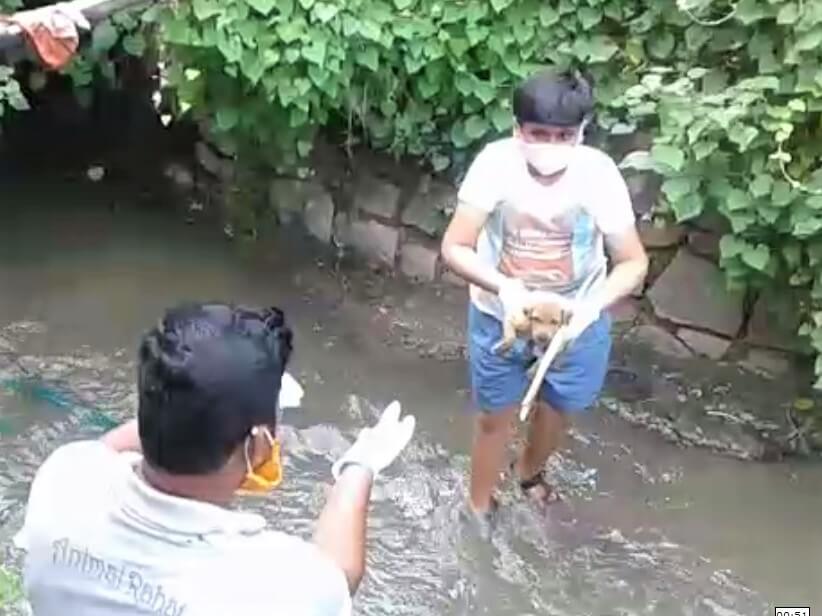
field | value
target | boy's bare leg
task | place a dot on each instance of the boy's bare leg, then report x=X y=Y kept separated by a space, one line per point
x=491 y=436
x=546 y=432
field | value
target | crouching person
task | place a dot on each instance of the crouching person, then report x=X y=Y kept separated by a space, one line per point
x=139 y=522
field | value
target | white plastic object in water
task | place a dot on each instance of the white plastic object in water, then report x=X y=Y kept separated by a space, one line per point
x=291 y=392
x=96 y=173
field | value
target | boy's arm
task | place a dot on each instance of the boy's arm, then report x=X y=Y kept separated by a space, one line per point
x=617 y=222
x=478 y=197
x=341 y=528
x=630 y=265
x=459 y=248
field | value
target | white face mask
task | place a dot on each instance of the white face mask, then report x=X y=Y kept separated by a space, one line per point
x=549 y=158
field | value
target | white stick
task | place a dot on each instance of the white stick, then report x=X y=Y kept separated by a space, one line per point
x=555 y=346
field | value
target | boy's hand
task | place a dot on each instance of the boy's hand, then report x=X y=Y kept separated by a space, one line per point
x=585 y=313
x=514 y=296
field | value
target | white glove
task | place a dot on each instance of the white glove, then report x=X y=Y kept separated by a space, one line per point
x=585 y=313
x=291 y=392
x=514 y=296
x=377 y=446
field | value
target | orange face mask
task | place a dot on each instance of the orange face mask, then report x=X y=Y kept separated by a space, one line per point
x=269 y=474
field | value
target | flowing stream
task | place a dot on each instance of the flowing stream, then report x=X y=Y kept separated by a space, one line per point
x=648 y=528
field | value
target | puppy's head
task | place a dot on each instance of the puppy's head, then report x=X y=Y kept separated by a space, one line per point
x=521 y=321
x=546 y=319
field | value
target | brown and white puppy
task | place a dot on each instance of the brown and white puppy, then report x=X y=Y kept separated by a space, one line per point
x=538 y=323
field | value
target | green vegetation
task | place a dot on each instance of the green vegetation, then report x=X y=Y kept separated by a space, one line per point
x=10 y=95
x=11 y=588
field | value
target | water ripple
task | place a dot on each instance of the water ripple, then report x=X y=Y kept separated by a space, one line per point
x=423 y=558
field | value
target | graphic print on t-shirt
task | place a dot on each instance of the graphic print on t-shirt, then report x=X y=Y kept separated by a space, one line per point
x=547 y=254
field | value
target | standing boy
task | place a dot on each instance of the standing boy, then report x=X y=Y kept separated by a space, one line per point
x=538 y=213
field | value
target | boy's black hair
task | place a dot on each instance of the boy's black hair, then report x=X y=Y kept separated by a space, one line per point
x=208 y=373
x=555 y=99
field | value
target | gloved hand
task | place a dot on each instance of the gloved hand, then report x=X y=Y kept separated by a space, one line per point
x=585 y=313
x=377 y=446
x=514 y=296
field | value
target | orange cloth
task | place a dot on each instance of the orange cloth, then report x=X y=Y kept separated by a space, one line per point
x=51 y=31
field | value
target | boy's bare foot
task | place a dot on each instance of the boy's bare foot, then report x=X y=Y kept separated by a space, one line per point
x=483 y=520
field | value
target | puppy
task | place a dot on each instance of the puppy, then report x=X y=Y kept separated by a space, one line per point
x=538 y=323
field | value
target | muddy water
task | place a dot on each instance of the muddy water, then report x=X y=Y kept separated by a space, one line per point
x=648 y=528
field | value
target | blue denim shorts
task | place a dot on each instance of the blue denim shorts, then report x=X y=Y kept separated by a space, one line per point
x=499 y=381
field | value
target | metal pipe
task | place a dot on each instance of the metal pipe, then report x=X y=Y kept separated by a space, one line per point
x=11 y=36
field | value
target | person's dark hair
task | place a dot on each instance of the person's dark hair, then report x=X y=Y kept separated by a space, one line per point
x=207 y=374
x=552 y=98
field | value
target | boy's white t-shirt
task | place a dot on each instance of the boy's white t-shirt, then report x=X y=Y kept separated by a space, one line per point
x=550 y=237
x=100 y=541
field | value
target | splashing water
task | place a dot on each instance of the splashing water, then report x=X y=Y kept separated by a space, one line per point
x=423 y=558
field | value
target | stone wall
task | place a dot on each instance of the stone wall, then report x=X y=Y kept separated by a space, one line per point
x=378 y=209
x=394 y=215
x=685 y=308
